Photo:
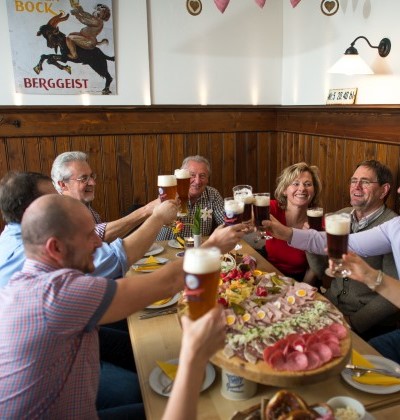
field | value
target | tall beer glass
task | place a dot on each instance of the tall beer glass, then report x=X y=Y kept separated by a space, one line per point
x=244 y=193
x=167 y=187
x=234 y=210
x=183 y=181
x=261 y=212
x=315 y=216
x=337 y=227
x=202 y=268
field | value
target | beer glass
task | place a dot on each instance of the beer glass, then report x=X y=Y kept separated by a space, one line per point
x=234 y=210
x=314 y=216
x=202 y=268
x=167 y=187
x=183 y=185
x=244 y=193
x=261 y=212
x=337 y=227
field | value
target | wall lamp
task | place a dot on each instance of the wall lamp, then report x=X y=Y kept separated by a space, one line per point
x=352 y=63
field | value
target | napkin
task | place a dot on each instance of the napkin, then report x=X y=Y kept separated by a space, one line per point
x=371 y=378
x=149 y=261
x=168 y=368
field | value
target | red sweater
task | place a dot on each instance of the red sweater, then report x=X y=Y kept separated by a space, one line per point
x=286 y=259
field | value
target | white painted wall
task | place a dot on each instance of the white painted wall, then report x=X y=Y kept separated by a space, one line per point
x=248 y=55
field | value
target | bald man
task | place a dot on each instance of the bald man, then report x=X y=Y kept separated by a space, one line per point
x=51 y=369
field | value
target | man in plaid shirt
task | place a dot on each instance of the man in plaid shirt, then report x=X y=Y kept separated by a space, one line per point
x=201 y=195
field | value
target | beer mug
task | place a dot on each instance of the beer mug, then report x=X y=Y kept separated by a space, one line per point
x=244 y=193
x=314 y=217
x=337 y=227
x=234 y=210
x=261 y=212
x=167 y=187
x=183 y=185
x=202 y=268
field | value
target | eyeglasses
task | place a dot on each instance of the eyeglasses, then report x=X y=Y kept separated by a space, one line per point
x=84 y=179
x=365 y=183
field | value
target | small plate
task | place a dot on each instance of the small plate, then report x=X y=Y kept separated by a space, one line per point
x=158 y=380
x=166 y=304
x=154 y=250
x=379 y=362
x=143 y=261
x=173 y=243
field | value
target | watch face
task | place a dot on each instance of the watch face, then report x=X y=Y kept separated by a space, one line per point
x=194 y=7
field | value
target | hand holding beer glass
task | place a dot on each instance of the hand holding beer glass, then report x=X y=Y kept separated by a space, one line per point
x=337 y=227
x=315 y=216
x=183 y=185
x=261 y=212
x=167 y=188
x=202 y=268
x=244 y=193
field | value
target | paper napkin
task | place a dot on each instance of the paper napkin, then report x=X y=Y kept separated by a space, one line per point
x=371 y=378
x=168 y=368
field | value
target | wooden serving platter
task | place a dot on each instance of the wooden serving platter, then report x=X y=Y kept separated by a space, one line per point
x=262 y=373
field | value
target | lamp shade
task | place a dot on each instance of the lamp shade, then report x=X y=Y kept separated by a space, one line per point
x=351 y=64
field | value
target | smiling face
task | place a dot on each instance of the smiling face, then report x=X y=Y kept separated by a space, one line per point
x=198 y=178
x=367 y=199
x=300 y=191
x=84 y=192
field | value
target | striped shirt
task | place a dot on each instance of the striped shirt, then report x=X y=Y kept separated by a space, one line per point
x=49 y=353
x=100 y=227
x=210 y=200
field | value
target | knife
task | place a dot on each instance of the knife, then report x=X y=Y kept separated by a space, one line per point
x=158 y=313
x=386 y=372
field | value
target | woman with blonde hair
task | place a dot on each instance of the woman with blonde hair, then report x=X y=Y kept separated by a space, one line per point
x=298 y=188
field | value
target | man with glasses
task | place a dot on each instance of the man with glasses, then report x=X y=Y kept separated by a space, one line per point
x=368 y=313
x=200 y=195
x=72 y=176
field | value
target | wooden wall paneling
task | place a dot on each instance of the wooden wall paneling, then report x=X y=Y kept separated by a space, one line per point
x=15 y=151
x=191 y=144
x=203 y=145
x=126 y=157
x=268 y=162
x=62 y=144
x=241 y=160
x=250 y=159
x=32 y=154
x=47 y=154
x=389 y=154
x=179 y=150
x=216 y=159
x=152 y=169
x=3 y=157
x=228 y=168
x=165 y=154
x=111 y=180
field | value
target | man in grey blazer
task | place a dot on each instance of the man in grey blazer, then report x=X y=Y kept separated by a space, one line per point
x=368 y=313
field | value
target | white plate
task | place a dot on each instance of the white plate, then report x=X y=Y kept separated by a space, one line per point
x=173 y=243
x=165 y=305
x=143 y=260
x=379 y=362
x=159 y=380
x=154 y=250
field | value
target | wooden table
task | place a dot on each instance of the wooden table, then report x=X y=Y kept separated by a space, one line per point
x=159 y=339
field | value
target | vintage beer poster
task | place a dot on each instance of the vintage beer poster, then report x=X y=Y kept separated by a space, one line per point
x=62 y=46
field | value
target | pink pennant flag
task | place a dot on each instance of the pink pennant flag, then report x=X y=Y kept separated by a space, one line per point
x=295 y=2
x=222 y=4
x=261 y=3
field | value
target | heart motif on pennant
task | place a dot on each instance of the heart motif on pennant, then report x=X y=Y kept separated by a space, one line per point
x=329 y=5
x=221 y=4
x=294 y=3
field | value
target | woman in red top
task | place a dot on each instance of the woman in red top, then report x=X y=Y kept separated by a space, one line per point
x=298 y=187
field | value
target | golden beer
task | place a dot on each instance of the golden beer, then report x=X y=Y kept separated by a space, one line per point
x=183 y=180
x=167 y=187
x=202 y=268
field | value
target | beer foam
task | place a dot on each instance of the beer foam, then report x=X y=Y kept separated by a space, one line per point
x=202 y=260
x=261 y=200
x=315 y=212
x=337 y=224
x=233 y=206
x=166 y=181
x=182 y=173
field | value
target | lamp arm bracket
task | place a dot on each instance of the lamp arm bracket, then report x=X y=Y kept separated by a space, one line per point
x=383 y=47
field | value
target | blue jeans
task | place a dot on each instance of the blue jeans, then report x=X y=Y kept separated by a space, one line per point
x=388 y=345
x=119 y=394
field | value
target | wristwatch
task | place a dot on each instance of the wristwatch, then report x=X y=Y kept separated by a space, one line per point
x=378 y=281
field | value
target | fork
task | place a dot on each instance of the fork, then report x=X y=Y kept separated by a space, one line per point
x=167 y=388
x=360 y=371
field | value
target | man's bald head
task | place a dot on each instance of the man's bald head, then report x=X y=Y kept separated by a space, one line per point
x=51 y=216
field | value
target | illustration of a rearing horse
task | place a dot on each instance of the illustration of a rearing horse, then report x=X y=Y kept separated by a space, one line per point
x=94 y=58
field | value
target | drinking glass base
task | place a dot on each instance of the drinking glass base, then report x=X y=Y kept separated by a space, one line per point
x=341 y=274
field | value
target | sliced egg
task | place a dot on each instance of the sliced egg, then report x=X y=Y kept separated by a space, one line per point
x=230 y=319
x=301 y=292
x=246 y=317
x=261 y=314
x=291 y=300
